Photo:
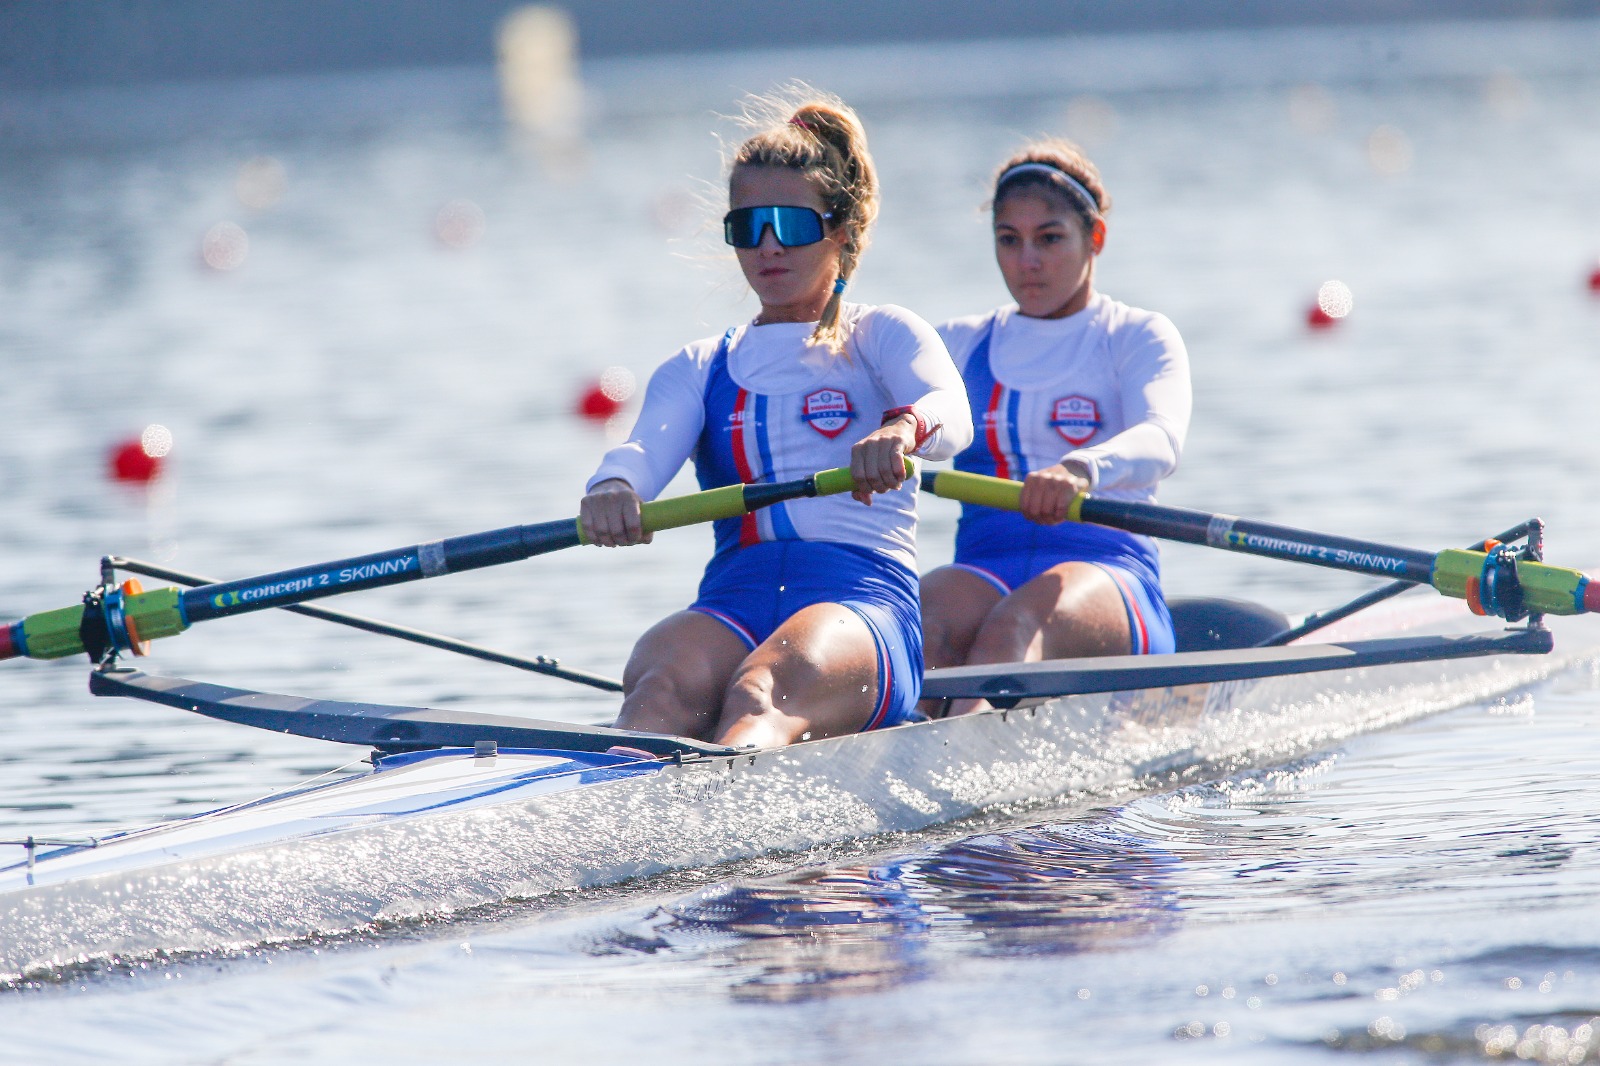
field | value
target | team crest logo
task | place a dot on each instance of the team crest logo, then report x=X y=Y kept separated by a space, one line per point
x=1076 y=418
x=828 y=412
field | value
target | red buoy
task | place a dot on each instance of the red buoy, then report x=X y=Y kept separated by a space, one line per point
x=139 y=460
x=603 y=400
x=1594 y=280
x=596 y=405
x=1317 y=318
x=129 y=462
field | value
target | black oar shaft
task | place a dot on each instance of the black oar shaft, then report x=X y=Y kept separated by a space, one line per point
x=111 y=619
x=1260 y=538
x=1532 y=528
x=453 y=555
x=541 y=665
x=1492 y=581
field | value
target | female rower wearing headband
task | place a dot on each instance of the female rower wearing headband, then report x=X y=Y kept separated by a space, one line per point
x=1071 y=392
x=807 y=621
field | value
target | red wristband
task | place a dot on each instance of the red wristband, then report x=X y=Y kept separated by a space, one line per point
x=924 y=429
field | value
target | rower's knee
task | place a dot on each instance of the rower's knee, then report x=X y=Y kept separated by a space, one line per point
x=1070 y=611
x=661 y=684
x=752 y=711
x=764 y=685
x=942 y=643
x=671 y=696
x=1010 y=631
x=787 y=690
x=955 y=603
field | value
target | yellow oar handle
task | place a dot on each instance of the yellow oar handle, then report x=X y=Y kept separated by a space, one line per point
x=1544 y=588
x=709 y=506
x=732 y=501
x=981 y=489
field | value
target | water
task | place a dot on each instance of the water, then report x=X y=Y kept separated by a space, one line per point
x=356 y=384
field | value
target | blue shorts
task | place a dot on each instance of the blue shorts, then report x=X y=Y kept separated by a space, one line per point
x=755 y=589
x=1149 y=623
x=1008 y=551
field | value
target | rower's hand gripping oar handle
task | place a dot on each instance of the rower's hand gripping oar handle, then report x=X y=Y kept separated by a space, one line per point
x=1492 y=582
x=731 y=501
x=112 y=619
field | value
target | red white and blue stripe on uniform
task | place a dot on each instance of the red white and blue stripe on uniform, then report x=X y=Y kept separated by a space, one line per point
x=997 y=451
x=1138 y=631
x=742 y=454
x=887 y=690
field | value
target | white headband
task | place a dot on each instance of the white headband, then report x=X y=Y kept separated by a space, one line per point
x=1071 y=184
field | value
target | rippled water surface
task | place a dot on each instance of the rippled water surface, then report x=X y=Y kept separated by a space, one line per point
x=1420 y=895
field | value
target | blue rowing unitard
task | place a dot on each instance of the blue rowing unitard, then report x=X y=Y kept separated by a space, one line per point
x=1070 y=403
x=763 y=572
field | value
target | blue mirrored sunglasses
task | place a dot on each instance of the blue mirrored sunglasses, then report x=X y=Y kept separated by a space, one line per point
x=792 y=226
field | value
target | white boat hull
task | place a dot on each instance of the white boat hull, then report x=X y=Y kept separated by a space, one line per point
x=454 y=831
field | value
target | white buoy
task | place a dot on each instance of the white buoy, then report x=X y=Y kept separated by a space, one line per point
x=1090 y=120
x=538 y=51
x=1389 y=151
x=260 y=182
x=1312 y=109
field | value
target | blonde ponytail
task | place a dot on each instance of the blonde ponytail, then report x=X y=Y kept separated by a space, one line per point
x=821 y=137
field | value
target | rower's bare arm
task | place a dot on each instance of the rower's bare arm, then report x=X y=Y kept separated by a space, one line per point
x=610 y=513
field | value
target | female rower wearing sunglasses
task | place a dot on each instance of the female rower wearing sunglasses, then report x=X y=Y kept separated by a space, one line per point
x=1071 y=392
x=807 y=620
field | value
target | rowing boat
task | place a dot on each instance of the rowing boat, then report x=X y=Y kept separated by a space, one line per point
x=461 y=808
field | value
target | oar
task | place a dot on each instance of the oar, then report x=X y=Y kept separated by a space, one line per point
x=1532 y=529
x=1492 y=582
x=543 y=664
x=112 y=619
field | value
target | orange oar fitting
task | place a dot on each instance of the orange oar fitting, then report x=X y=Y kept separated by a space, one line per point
x=140 y=648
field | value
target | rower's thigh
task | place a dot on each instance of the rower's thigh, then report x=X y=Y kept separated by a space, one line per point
x=677 y=674
x=816 y=676
x=955 y=601
x=1070 y=610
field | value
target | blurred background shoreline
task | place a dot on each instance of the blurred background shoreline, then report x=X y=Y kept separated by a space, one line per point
x=73 y=73
x=62 y=43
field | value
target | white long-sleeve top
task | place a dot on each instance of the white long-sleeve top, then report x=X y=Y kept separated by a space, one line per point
x=1108 y=386
x=786 y=408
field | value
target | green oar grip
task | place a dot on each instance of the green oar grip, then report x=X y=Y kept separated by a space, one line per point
x=708 y=506
x=51 y=634
x=979 y=489
x=1546 y=589
x=832 y=482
